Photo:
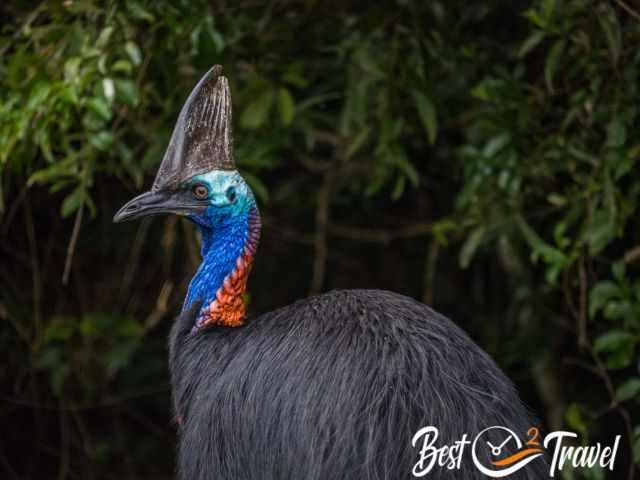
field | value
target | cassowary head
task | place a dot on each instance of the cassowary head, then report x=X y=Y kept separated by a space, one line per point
x=198 y=179
x=198 y=176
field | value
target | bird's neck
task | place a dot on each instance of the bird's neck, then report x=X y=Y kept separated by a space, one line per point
x=228 y=249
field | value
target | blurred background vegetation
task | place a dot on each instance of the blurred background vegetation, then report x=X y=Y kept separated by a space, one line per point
x=479 y=156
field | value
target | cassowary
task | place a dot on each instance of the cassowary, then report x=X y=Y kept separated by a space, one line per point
x=331 y=387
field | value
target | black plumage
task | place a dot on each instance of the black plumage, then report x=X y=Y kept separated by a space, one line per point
x=334 y=387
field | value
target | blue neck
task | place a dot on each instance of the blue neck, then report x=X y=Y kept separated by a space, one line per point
x=222 y=244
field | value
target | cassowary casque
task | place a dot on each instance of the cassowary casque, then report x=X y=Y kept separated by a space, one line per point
x=331 y=387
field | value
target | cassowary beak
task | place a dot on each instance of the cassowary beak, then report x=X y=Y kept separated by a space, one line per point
x=202 y=141
x=154 y=203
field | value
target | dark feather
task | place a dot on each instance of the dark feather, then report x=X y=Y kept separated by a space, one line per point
x=334 y=387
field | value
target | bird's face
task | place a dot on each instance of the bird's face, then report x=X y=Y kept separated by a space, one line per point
x=227 y=195
x=208 y=199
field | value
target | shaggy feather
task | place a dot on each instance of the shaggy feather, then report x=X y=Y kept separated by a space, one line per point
x=334 y=387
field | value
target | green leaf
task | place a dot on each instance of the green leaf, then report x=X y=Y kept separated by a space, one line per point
x=364 y=58
x=539 y=246
x=101 y=140
x=441 y=229
x=38 y=96
x=535 y=18
x=616 y=133
x=574 y=418
x=620 y=358
x=134 y=52
x=552 y=62
x=481 y=91
x=71 y=68
x=127 y=91
x=58 y=331
x=217 y=39
x=123 y=66
x=73 y=201
x=295 y=78
x=255 y=115
x=69 y=94
x=88 y=327
x=357 y=143
x=531 y=42
x=470 y=246
x=560 y=236
x=616 y=310
x=102 y=64
x=138 y=11
x=108 y=89
x=628 y=390
x=600 y=231
x=496 y=145
x=618 y=346
x=557 y=199
x=100 y=107
x=612 y=340
x=600 y=294
x=405 y=165
x=609 y=23
x=548 y=7
x=103 y=39
x=428 y=115
x=286 y=106
x=64 y=168
x=618 y=270
x=398 y=188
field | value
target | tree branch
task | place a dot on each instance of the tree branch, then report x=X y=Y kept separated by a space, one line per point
x=72 y=245
x=628 y=9
x=320 y=243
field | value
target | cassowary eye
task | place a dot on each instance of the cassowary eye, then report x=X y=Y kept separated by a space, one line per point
x=200 y=191
x=231 y=194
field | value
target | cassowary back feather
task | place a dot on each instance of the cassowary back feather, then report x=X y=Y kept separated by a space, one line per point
x=334 y=387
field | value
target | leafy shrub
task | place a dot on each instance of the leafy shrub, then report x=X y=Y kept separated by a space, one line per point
x=478 y=150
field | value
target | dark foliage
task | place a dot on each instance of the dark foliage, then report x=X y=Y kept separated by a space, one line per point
x=481 y=157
